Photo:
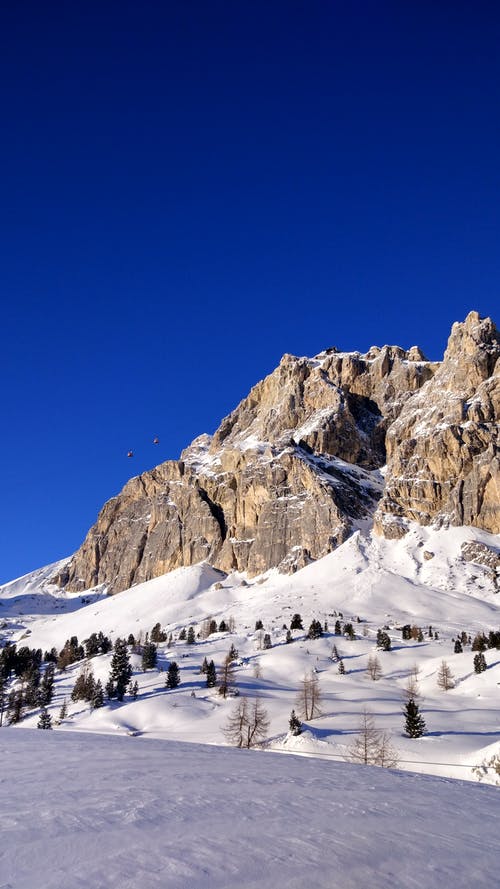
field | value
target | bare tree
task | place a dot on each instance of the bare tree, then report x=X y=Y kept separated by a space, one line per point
x=411 y=691
x=247 y=724
x=374 y=668
x=257 y=670
x=372 y=747
x=309 y=697
x=445 y=679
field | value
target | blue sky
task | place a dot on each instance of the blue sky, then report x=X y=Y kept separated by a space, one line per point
x=191 y=189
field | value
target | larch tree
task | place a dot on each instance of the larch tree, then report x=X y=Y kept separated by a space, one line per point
x=309 y=697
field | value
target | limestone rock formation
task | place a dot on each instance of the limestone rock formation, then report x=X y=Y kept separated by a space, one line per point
x=296 y=465
x=443 y=449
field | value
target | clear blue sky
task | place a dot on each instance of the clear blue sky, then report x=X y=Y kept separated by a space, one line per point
x=191 y=189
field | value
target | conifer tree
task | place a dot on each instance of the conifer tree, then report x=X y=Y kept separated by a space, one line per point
x=45 y=720
x=133 y=690
x=296 y=622
x=191 y=638
x=458 y=647
x=121 y=671
x=341 y=667
x=63 y=712
x=97 y=699
x=480 y=664
x=173 y=678
x=46 y=691
x=289 y=637
x=259 y=625
x=149 y=656
x=211 y=675
x=338 y=628
x=295 y=724
x=414 y=722
x=267 y=641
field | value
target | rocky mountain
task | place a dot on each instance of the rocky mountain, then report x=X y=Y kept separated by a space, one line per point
x=295 y=468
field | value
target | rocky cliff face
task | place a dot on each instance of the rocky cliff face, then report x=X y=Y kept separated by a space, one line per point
x=443 y=449
x=291 y=471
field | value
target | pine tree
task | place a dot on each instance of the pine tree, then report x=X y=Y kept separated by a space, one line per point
x=233 y=653
x=157 y=634
x=458 y=647
x=46 y=691
x=97 y=699
x=338 y=628
x=133 y=690
x=349 y=631
x=63 y=712
x=414 y=722
x=149 y=656
x=182 y=635
x=383 y=640
x=341 y=667
x=267 y=641
x=296 y=622
x=173 y=678
x=211 y=675
x=480 y=664
x=295 y=724
x=45 y=720
x=191 y=639
x=315 y=630
x=121 y=671
x=223 y=627
x=259 y=625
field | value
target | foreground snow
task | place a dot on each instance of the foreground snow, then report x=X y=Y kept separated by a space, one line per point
x=80 y=811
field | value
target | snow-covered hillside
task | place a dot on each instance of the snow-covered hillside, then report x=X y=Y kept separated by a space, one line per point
x=124 y=813
x=420 y=580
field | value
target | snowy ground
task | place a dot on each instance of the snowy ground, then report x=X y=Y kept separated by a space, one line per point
x=383 y=582
x=80 y=811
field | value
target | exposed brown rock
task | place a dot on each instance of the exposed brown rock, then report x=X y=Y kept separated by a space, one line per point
x=295 y=465
x=443 y=449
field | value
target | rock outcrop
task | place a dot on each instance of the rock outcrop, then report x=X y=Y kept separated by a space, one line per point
x=296 y=465
x=443 y=449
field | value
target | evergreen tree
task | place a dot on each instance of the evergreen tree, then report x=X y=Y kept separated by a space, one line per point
x=267 y=641
x=121 y=671
x=414 y=722
x=213 y=626
x=204 y=666
x=50 y=657
x=315 y=630
x=15 y=707
x=289 y=637
x=296 y=622
x=223 y=627
x=191 y=639
x=46 y=692
x=149 y=656
x=63 y=712
x=458 y=647
x=157 y=634
x=383 y=640
x=406 y=632
x=211 y=675
x=97 y=699
x=131 y=639
x=341 y=667
x=84 y=687
x=173 y=678
x=259 y=625
x=45 y=720
x=233 y=653
x=479 y=643
x=338 y=628
x=480 y=664
x=133 y=690
x=295 y=724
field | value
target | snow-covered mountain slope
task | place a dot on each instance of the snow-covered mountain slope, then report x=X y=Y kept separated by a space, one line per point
x=124 y=813
x=420 y=579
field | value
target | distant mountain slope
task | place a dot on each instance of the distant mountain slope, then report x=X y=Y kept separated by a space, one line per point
x=295 y=468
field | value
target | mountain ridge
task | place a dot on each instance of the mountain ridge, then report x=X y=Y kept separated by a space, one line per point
x=289 y=474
